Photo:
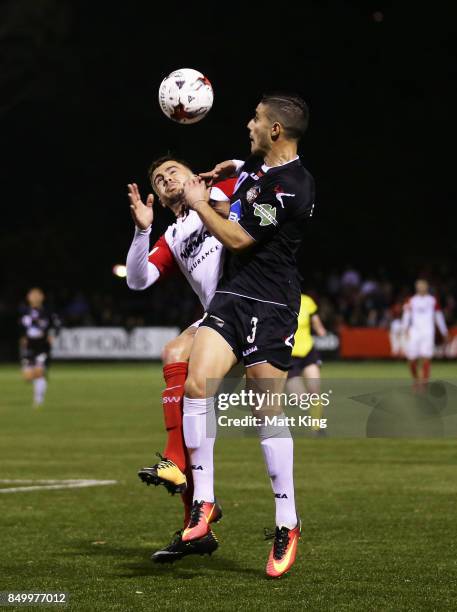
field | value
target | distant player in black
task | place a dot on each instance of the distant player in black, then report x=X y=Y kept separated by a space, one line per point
x=38 y=328
x=253 y=315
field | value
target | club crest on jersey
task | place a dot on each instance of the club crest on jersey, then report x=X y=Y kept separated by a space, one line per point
x=252 y=194
x=266 y=213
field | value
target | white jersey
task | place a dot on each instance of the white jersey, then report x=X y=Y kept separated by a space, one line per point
x=420 y=313
x=186 y=245
x=198 y=254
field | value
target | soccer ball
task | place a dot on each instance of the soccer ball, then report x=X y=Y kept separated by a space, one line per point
x=186 y=96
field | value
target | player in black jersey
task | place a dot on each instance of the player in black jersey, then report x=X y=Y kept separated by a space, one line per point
x=253 y=315
x=38 y=327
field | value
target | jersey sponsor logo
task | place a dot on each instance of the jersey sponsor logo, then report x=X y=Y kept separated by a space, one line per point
x=235 y=211
x=171 y=399
x=252 y=194
x=193 y=245
x=198 y=261
x=253 y=349
x=266 y=213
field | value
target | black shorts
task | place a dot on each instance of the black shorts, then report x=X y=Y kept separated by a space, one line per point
x=34 y=359
x=257 y=332
x=299 y=363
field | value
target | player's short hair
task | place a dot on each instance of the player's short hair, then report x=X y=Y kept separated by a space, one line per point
x=162 y=160
x=290 y=110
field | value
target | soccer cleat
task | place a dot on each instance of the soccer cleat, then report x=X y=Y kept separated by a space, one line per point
x=284 y=551
x=201 y=516
x=177 y=549
x=167 y=473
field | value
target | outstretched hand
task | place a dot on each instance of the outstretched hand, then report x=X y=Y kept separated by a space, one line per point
x=220 y=172
x=142 y=214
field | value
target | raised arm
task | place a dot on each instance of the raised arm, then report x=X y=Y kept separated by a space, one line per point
x=141 y=273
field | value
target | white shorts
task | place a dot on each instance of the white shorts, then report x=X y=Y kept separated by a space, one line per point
x=420 y=346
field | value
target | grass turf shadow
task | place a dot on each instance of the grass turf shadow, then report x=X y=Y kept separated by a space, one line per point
x=194 y=566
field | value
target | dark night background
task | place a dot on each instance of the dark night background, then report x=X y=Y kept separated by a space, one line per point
x=80 y=119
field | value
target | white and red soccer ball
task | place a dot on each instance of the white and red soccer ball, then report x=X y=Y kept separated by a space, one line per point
x=186 y=96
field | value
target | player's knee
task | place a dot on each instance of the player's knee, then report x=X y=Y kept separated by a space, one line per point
x=195 y=387
x=174 y=351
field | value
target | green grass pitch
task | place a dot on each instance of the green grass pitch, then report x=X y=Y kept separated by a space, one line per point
x=379 y=516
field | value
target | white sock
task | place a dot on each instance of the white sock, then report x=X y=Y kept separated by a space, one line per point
x=39 y=389
x=199 y=426
x=278 y=452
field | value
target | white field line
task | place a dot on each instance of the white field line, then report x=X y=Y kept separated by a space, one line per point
x=53 y=484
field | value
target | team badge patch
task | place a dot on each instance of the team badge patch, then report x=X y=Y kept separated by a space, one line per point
x=252 y=194
x=266 y=213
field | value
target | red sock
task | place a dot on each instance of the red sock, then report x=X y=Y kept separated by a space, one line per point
x=426 y=370
x=413 y=368
x=172 y=401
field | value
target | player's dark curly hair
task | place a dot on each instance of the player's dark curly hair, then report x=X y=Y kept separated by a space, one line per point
x=290 y=110
x=161 y=160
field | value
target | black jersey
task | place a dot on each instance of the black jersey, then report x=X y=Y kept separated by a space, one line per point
x=36 y=324
x=272 y=205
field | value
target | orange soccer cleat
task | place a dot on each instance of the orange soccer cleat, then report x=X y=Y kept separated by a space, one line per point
x=284 y=551
x=201 y=516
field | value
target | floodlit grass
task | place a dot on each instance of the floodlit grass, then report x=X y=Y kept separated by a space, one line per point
x=379 y=515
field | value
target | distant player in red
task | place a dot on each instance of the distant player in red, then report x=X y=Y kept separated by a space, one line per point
x=420 y=315
x=186 y=246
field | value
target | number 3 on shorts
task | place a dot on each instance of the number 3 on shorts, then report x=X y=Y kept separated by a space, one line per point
x=251 y=336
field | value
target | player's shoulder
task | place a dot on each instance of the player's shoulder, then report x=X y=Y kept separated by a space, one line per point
x=223 y=190
x=293 y=178
x=408 y=301
x=308 y=303
x=253 y=163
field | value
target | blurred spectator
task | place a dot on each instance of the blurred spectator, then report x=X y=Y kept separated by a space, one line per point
x=350 y=278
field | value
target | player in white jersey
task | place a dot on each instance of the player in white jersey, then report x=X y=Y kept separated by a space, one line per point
x=420 y=315
x=187 y=246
